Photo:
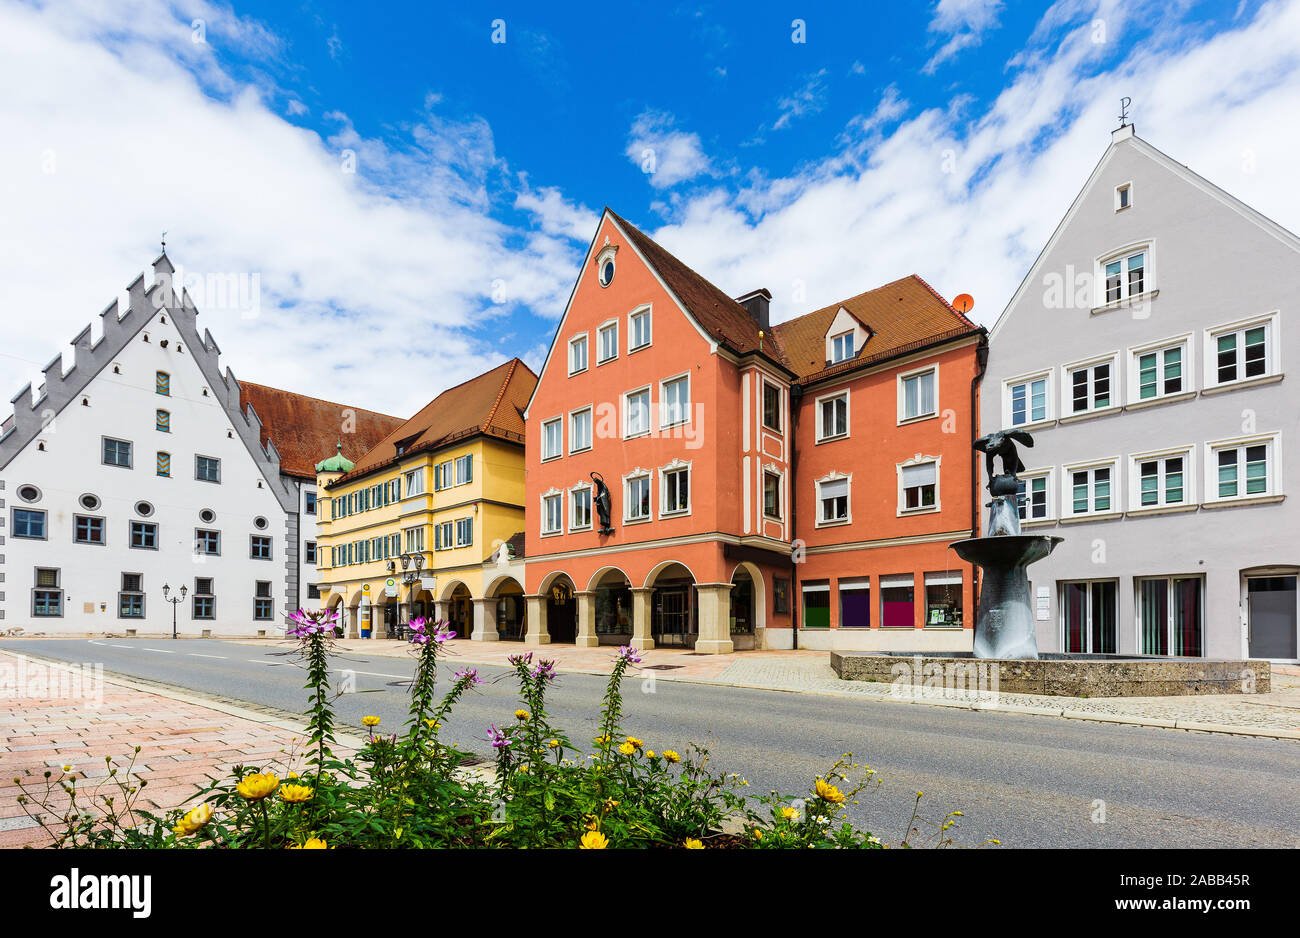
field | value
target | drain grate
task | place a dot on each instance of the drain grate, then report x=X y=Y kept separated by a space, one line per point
x=661 y=667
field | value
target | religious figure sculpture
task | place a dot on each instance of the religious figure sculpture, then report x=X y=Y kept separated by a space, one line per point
x=602 y=503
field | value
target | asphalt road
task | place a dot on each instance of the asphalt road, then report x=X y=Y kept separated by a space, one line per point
x=1028 y=781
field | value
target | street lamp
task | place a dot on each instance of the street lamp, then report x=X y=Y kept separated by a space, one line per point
x=174 y=601
x=409 y=576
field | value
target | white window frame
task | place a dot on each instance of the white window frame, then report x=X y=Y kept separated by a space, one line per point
x=677 y=465
x=920 y=460
x=1010 y=384
x=600 y=345
x=1272 y=347
x=851 y=335
x=818 y=402
x=589 y=410
x=1028 y=476
x=823 y=522
x=547 y=453
x=584 y=339
x=1124 y=187
x=649 y=410
x=466 y=459
x=573 y=504
x=1133 y=391
x=1067 y=387
x=1122 y=254
x=763 y=385
x=637 y=475
x=1188 y=455
x=647 y=312
x=782 y=495
x=558 y=496
x=1273 y=441
x=413 y=476
x=903 y=378
x=664 y=422
x=463 y=524
x=1067 y=511
x=444 y=534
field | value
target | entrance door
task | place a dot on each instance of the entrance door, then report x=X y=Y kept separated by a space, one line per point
x=562 y=620
x=671 y=625
x=1271 y=611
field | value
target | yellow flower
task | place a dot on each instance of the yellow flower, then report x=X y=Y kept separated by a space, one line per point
x=257 y=785
x=593 y=840
x=370 y=721
x=433 y=724
x=610 y=804
x=67 y=768
x=828 y=792
x=600 y=740
x=295 y=794
x=758 y=834
x=521 y=715
x=554 y=744
x=790 y=814
x=693 y=844
x=649 y=753
x=634 y=741
x=627 y=749
x=593 y=824
x=313 y=843
x=671 y=755
x=194 y=820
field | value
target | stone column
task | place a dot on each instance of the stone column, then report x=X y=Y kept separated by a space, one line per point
x=586 y=637
x=642 y=597
x=377 y=627
x=485 y=621
x=715 y=619
x=350 y=620
x=537 y=633
x=440 y=610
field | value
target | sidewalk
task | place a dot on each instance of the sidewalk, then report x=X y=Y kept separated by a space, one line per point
x=183 y=742
x=1275 y=714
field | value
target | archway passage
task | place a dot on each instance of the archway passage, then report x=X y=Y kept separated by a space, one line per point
x=744 y=609
x=674 y=610
x=612 y=607
x=561 y=611
x=510 y=610
x=460 y=611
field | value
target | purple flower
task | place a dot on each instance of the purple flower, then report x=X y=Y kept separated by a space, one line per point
x=629 y=654
x=443 y=635
x=545 y=670
x=516 y=659
x=500 y=741
x=471 y=673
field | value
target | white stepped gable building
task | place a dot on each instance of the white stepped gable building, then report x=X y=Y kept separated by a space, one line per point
x=1146 y=352
x=136 y=468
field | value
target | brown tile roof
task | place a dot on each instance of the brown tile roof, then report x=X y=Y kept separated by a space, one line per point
x=719 y=315
x=903 y=316
x=305 y=430
x=491 y=404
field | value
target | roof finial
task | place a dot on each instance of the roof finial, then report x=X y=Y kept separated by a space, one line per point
x=164 y=242
x=1123 y=111
x=338 y=447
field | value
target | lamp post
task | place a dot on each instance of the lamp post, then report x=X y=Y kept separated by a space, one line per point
x=174 y=601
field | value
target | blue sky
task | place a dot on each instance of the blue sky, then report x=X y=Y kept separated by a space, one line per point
x=408 y=200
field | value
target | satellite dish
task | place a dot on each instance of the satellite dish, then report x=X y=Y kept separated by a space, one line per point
x=963 y=303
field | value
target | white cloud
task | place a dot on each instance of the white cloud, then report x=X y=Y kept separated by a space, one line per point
x=964 y=22
x=884 y=205
x=378 y=287
x=665 y=154
x=808 y=98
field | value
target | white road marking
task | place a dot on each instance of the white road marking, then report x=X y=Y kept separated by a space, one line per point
x=161 y=651
x=119 y=646
x=404 y=677
x=196 y=655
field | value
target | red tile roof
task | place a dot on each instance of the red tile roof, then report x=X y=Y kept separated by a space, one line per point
x=491 y=404
x=305 y=430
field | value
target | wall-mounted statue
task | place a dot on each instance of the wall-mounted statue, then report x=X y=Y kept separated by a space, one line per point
x=602 y=503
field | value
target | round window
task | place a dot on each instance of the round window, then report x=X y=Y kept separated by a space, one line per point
x=144 y=509
x=89 y=502
x=607 y=272
x=208 y=515
x=29 y=493
x=259 y=522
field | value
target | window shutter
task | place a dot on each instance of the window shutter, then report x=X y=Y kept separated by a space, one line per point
x=837 y=488
x=469 y=468
x=923 y=474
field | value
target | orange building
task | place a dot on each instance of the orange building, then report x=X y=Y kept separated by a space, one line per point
x=684 y=415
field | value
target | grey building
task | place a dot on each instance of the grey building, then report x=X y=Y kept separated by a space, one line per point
x=1145 y=351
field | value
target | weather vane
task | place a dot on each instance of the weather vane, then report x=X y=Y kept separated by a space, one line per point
x=1123 y=111
x=164 y=242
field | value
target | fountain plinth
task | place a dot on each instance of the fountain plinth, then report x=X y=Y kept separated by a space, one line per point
x=1004 y=624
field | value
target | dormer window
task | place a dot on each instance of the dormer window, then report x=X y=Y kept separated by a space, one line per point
x=841 y=347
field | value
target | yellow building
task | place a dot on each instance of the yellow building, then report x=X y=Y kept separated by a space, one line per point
x=428 y=521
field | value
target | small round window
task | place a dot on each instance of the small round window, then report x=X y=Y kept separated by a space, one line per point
x=606 y=271
x=208 y=515
x=259 y=522
x=29 y=493
x=89 y=502
x=144 y=509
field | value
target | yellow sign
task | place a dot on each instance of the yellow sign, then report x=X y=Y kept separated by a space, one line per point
x=365 y=588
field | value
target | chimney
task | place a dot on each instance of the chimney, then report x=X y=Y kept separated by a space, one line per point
x=756 y=302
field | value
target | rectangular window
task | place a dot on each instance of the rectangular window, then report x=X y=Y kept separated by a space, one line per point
x=207 y=542
x=414 y=482
x=552 y=431
x=676 y=490
x=263 y=604
x=898 y=602
x=817 y=605
x=580 y=499
x=47 y=597
x=855 y=603
x=162 y=383
x=144 y=535
x=130 y=601
x=443 y=475
x=1090 y=490
x=1123 y=197
x=833 y=501
x=465 y=469
x=414 y=540
x=1125 y=277
x=1160 y=373
x=1028 y=401
x=88 y=530
x=1089 y=613
x=918 y=395
x=833 y=416
x=204 y=602
x=771 y=406
x=1243 y=354
x=29 y=522
x=1162 y=481
x=207 y=469
x=580 y=430
x=920 y=486
x=638 y=498
x=464 y=532
x=607 y=343
x=675 y=401
x=1090 y=388
x=444 y=534
x=162 y=421
x=1169 y=616
x=552 y=514
x=636 y=412
x=841 y=347
x=117 y=453
x=260 y=547
x=165 y=464
x=309 y=552
x=1244 y=470
x=772 y=495
x=638 y=330
x=943 y=606
x=578 y=354
x=309 y=502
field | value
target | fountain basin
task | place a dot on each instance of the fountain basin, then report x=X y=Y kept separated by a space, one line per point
x=1009 y=550
x=1004 y=624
